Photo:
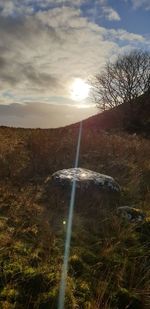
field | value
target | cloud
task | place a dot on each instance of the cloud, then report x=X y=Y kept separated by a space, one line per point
x=14 y=7
x=111 y=14
x=42 y=115
x=28 y=7
x=107 y=11
x=123 y=35
x=42 y=51
x=145 y=4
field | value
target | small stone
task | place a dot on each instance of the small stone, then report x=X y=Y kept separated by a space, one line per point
x=131 y=214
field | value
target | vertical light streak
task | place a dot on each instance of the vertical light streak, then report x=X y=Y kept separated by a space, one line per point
x=63 y=282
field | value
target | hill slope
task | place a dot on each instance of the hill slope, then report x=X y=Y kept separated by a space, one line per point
x=132 y=119
x=109 y=264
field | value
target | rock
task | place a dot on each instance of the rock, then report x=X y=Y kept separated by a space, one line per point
x=95 y=193
x=131 y=214
x=85 y=179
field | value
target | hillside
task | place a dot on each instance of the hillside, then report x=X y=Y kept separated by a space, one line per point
x=132 y=119
x=109 y=264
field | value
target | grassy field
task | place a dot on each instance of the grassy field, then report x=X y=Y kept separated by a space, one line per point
x=109 y=265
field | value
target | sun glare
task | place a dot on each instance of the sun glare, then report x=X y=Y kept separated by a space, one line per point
x=79 y=90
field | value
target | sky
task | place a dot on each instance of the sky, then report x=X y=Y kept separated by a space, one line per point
x=45 y=45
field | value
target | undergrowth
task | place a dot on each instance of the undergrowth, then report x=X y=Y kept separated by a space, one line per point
x=109 y=264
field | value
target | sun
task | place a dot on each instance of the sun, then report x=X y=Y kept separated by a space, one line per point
x=79 y=90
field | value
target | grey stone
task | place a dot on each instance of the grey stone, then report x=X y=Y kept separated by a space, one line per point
x=85 y=179
x=131 y=214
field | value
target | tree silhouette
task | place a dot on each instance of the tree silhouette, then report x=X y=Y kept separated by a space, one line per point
x=123 y=80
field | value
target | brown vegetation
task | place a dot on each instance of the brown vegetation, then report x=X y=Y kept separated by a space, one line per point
x=109 y=262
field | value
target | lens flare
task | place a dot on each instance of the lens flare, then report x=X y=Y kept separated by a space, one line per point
x=63 y=282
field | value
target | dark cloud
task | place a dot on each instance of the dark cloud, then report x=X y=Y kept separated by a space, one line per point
x=3 y=63
x=40 y=79
x=20 y=52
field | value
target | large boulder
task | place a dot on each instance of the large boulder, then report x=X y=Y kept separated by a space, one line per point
x=94 y=191
x=85 y=179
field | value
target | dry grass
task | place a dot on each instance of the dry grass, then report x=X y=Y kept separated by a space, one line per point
x=109 y=262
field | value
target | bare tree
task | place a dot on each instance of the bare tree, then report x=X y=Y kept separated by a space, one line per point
x=123 y=80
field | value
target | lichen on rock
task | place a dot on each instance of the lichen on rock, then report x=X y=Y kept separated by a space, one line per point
x=85 y=179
